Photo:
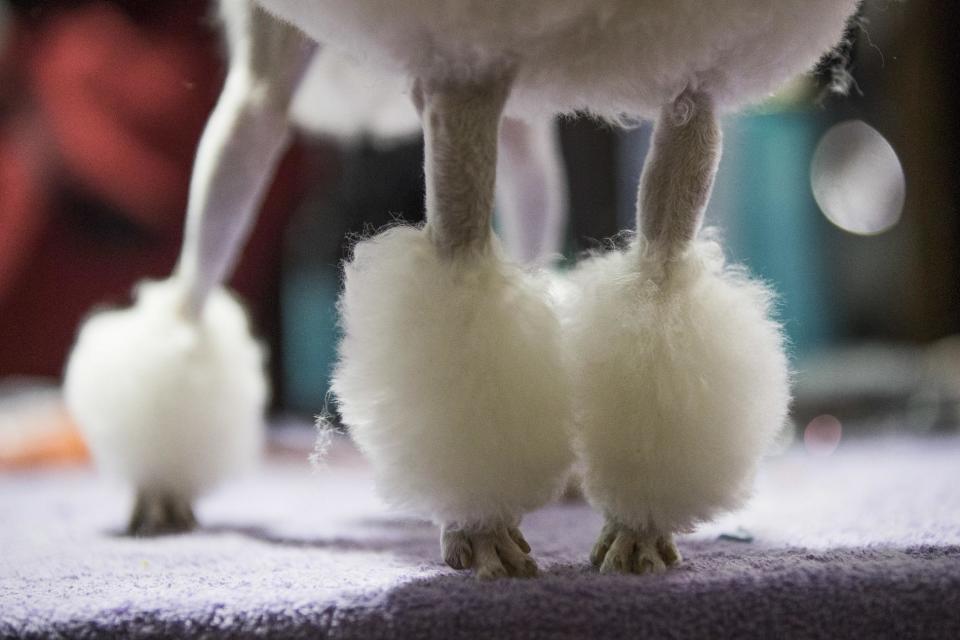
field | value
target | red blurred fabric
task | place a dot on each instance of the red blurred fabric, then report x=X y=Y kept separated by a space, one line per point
x=100 y=113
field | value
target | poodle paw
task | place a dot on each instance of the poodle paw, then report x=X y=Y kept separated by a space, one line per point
x=159 y=513
x=494 y=553
x=620 y=549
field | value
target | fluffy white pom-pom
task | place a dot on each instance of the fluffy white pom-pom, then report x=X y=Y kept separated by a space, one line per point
x=167 y=404
x=450 y=380
x=680 y=384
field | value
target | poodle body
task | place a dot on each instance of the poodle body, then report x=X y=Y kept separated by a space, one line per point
x=466 y=386
x=606 y=57
x=670 y=416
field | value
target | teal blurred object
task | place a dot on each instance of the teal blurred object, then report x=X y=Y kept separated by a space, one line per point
x=309 y=328
x=764 y=206
x=309 y=335
x=373 y=186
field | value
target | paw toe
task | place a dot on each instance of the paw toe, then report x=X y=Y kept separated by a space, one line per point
x=648 y=561
x=668 y=551
x=602 y=546
x=494 y=553
x=518 y=538
x=517 y=563
x=620 y=549
x=457 y=553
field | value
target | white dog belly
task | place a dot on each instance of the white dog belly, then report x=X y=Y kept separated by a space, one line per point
x=611 y=57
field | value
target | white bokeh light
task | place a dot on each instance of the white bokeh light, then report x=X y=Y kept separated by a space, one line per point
x=857 y=179
x=822 y=435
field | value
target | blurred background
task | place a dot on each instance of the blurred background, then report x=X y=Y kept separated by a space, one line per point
x=848 y=204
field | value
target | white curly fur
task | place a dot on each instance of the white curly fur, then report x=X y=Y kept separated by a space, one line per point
x=609 y=57
x=167 y=404
x=450 y=380
x=679 y=385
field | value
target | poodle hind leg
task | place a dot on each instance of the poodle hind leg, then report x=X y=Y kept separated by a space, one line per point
x=187 y=335
x=531 y=190
x=242 y=144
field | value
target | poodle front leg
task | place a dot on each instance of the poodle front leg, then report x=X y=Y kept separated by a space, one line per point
x=450 y=376
x=244 y=140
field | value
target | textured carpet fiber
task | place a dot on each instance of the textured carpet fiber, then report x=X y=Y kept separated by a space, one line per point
x=863 y=543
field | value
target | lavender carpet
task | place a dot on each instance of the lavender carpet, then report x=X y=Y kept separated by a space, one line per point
x=864 y=543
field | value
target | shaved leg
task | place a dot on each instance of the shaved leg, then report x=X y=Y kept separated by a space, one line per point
x=461 y=128
x=679 y=173
x=243 y=142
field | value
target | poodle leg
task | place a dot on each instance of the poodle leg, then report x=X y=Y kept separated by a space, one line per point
x=461 y=127
x=450 y=375
x=496 y=552
x=674 y=190
x=156 y=513
x=246 y=136
x=242 y=143
x=125 y=381
x=531 y=190
x=665 y=342
x=461 y=133
x=622 y=549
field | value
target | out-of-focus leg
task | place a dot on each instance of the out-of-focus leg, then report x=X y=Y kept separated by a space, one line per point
x=244 y=139
x=171 y=392
x=531 y=190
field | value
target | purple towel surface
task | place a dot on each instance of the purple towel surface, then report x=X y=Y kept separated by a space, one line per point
x=864 y=543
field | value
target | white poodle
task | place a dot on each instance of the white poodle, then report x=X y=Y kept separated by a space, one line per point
x=455 y=376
